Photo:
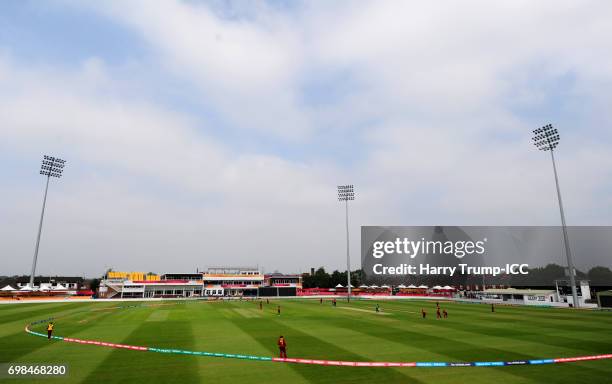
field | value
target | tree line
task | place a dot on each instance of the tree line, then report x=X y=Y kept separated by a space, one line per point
x=322 y=279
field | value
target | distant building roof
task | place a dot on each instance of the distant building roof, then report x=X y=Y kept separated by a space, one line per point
x=182 y=276
x=46 y=279
x=515 y=291
x=230 y=269
x=281 y=275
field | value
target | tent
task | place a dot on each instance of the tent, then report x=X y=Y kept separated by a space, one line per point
x=437 y=287
x=423 y=287
x=363 y=286
x=374 y=286
x=412 y=286
x=8 y=288
x=339 y=286
x=448 y=288
x=27 y=287
x=45 y=287
x=385 y=286
x=401 y=286
x=59 y=287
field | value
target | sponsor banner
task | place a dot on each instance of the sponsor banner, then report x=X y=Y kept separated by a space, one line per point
x=488 y=363
x=460 y=364
x=543 y=361
x=517 y=362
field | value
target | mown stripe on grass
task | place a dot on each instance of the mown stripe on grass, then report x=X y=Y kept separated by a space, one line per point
x=16 y=345
x=536 y=319
x=81 y=360
x=260 y=330
x=517 y=333
x=457 y=349
x=327 y=362
x=475 y=327
x=16 y=326
x=128 y=366
x=576 y=324
x=32 y=314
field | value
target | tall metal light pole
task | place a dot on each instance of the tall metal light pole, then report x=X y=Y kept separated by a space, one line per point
x=547 y=139
x=51 y=167
x=346 y=193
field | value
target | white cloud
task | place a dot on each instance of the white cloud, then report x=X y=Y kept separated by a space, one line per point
x=247 y=70
x=141 y=182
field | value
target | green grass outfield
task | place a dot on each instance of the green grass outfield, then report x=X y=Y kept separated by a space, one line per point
x=349 y=332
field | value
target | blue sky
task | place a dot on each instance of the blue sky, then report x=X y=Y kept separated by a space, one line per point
x=53 y=34
x=200 y=133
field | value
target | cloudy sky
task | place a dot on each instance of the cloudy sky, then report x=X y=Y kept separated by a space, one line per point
x=215 y=133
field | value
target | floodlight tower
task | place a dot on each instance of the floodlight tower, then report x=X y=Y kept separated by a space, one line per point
x=346 y=193
x=51 y=167
x=547 y=139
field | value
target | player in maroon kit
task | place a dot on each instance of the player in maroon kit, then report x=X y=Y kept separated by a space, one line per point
x=423 y=313
x=438 y=316
x=282 y=347
x=445 y=314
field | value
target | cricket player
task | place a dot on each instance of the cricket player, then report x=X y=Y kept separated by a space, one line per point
x=278 y=311
x=445 y=314
x=50 y=329
x=282 y=347
x=377 y=308
x=438 y=316
x=423 y=313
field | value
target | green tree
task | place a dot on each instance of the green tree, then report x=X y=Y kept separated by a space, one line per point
x=337 y=277
x=94 y=284
x=320 y=279
x=600 y=276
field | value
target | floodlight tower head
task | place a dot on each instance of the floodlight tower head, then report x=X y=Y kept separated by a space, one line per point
x=546 y=138
x=346 y=192
x=52 y=166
